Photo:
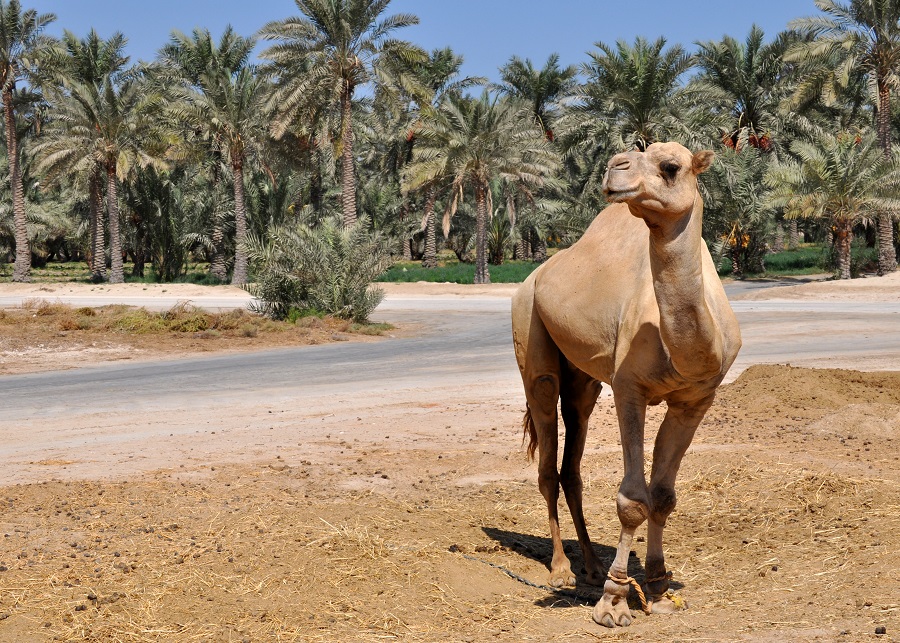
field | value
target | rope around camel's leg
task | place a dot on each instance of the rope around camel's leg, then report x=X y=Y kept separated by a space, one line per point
x=628 y=580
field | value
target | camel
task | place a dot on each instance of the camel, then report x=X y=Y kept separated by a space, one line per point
x=636 y=304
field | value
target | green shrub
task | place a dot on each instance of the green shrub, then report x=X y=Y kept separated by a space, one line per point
x=328 y=268
x=296 y=314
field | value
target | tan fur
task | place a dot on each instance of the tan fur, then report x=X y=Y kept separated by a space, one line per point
x=636 y=304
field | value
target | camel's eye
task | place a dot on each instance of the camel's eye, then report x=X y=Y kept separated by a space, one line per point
x=669 y=170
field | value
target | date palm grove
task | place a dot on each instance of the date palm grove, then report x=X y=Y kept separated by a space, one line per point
x=208 y=156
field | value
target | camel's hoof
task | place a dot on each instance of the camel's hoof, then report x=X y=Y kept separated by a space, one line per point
x=668 y=603
x=611 y=611
x=562 y=578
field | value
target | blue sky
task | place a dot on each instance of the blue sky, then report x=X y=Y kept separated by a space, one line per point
x=485 y=32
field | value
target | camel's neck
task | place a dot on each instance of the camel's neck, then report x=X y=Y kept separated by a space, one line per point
x=688 y=328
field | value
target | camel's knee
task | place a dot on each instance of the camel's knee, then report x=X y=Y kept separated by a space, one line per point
x=662 y=502
x=632 y=512
x=544 y=393
x=548 y=483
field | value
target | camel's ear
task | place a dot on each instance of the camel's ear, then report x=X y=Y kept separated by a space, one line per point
x=702 y=161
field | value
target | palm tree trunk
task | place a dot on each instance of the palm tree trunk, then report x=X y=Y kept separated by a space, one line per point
x=538 y=247
x=137 y=270
x=23 y=251
x=793 y=235
x=430 y=258
x=348 y=175
x=737 y=266
x=887 y=257
x=524 y=249
x=217 y=269
x=778 y=242
x=117 y=266
x=240 y=275
x=405 y=242
x=482 y=275
x=98 y=234
x=844 y=239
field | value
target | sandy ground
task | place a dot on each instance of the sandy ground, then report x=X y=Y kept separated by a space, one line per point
x=885 y=288
x=416 y=517
x=53 y=290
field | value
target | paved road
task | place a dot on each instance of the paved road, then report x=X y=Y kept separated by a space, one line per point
x=457 y=340
x=456 y=335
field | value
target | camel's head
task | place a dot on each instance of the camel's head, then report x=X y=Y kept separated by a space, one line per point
x=662 y=179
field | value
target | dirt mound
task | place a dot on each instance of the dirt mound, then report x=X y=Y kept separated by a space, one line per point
x=769 y=387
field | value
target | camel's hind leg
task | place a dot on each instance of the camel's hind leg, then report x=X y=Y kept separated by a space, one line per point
x=578 y=395
x=539 y=364
x=544 y=422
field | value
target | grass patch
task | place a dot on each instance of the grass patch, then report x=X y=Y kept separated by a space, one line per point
x=810 y=259
x=370 y=329
x=510 y=272
x=295 y=315
x=182 y=319
x=805 y=260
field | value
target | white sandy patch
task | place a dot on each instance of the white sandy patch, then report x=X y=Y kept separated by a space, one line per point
x=49 y=291
x=870 y=289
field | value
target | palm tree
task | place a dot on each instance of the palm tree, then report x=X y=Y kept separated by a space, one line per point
x=228 y=113
x=737 y=212
x=439 y=75
x=21 y=43
x=326 y=53
x=205 y=66
x=472 y=142
x=541 y=88
x=114 y=123
x=843 y=179
x=87 y=61
x=865 y=36
x=745 y=80
x=631 y=89
x=629 y=100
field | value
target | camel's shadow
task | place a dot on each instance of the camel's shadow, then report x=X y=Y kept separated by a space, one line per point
x=540 y=549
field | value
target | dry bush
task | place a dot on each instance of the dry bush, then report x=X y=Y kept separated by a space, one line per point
x=310 y=322
x=137 y=321
x=69 y=322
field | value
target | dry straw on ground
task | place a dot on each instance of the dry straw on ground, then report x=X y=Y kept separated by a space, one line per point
x=787 y=528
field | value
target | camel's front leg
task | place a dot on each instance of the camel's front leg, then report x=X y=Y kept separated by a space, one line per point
x=633 y=508
x=672 y=441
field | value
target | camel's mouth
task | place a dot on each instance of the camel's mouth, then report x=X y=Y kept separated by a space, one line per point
x=617 y=187
x=618 y=196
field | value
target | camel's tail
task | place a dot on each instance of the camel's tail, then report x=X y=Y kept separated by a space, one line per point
x=529 y=430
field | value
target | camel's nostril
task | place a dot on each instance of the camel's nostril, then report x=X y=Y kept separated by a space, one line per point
x=619 y=164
